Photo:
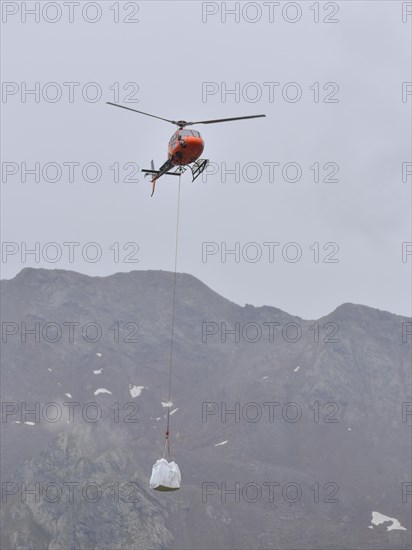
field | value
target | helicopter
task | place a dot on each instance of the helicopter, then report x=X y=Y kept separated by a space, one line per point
x=184 y=149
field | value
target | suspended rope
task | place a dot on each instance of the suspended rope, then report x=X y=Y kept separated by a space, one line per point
x=167 y=444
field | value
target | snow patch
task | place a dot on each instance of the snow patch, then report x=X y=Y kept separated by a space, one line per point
x=30 y=423
x=49 y=370
x=158 y=418
x=296 y=370
x=99 y=354
x=350 y=429
x=102 y=390
x=222 y=443
x=264 y=378
x=378 y=518
x=99 y=371
x=167 y=404
x=135 y=391
x=69 y=395
x=174 y=410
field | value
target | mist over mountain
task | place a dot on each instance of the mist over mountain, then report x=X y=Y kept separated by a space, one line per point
x=289 y=433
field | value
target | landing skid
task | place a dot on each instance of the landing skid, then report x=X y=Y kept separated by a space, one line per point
x=198 y=167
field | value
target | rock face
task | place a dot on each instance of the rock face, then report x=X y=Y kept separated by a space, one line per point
x=289 y=433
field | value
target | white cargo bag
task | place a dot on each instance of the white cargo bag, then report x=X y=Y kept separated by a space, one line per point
x=165 y=476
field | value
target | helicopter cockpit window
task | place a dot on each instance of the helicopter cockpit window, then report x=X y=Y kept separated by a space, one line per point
x=189 y=133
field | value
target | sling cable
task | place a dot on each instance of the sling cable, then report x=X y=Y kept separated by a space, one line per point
x=166 y=475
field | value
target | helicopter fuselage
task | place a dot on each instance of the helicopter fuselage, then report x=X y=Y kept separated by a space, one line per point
x=185 y=146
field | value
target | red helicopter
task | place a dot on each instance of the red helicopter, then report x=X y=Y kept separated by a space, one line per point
x=185 y=147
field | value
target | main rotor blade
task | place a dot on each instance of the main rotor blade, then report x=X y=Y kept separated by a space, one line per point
x=141 y=112
x=224 y=119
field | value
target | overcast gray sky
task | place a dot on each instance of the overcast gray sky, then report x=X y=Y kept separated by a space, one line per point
x=336 y=109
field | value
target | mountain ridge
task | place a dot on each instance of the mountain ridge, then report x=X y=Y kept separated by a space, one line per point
x=29 y=271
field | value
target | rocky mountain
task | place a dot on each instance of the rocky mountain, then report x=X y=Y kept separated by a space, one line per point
x=289 y=433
